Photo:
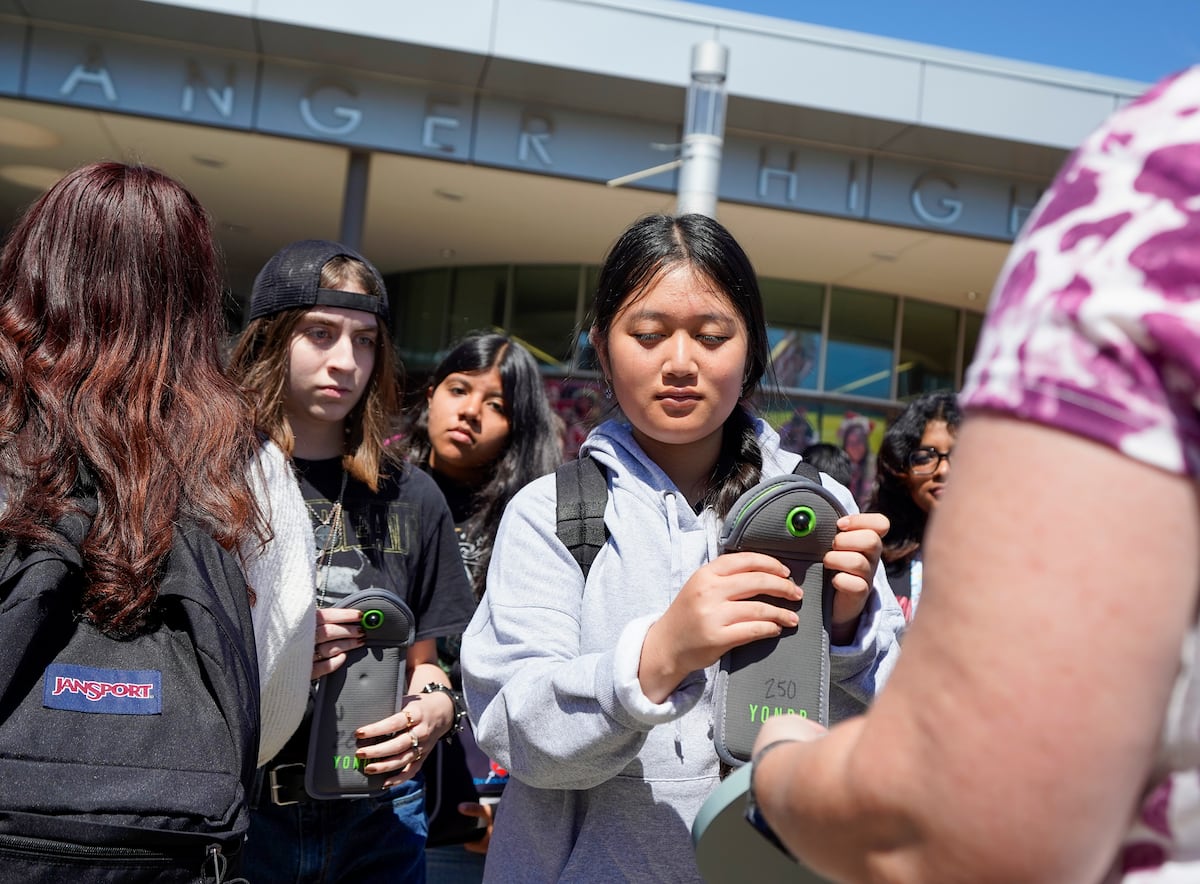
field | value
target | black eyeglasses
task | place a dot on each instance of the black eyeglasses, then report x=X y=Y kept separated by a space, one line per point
x=925 y=461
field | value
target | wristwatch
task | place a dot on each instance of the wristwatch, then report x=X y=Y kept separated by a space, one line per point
x=753 y=814
x=460 y=709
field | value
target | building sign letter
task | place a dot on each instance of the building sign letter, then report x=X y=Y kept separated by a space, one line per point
x=791 y=180
x=221 y=99
x=93 y=73
x=536 y=131
x=435 y=119
x=1017 y=213
x=351 y=117
x=1017 y=217
x=950 y=208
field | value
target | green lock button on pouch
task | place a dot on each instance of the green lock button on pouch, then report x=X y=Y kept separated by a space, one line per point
x=794 y=519
x=361 y=691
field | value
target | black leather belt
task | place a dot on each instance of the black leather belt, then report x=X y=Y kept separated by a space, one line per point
x=283 y=784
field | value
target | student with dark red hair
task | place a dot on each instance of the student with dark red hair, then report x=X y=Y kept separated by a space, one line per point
x=115 y=411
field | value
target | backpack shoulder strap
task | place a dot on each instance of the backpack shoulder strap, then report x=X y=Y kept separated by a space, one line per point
x=582 y=491
x=808 y=471
x=208 y=588
x=582 y=488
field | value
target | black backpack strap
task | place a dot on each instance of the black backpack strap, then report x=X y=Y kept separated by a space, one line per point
x=808 y=471
x=208 y=587
x=582 y=488
x=582 y=492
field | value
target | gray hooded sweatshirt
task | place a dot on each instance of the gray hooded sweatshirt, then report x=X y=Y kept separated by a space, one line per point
x=605 y=783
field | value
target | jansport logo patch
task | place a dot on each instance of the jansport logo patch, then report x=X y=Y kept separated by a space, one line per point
x=112 y=691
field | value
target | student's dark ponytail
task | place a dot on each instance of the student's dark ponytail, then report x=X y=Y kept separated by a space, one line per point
x=739 y=465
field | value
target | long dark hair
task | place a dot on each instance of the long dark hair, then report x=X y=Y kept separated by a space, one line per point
x=658 y=243
x=533 y=447
x=260 y=363
x=891 y=495
x=110 y=380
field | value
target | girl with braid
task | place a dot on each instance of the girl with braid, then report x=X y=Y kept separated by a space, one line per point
x=596 y=694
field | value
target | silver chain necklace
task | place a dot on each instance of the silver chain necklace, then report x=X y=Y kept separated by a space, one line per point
x=328 y=533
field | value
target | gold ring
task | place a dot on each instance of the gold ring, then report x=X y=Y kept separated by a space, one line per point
x=408 y=715
x=416 y=755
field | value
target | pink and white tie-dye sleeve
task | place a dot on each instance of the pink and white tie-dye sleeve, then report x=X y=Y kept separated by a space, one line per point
x=1094 y=326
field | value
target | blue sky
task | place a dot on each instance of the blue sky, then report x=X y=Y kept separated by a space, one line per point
x=1133 y=39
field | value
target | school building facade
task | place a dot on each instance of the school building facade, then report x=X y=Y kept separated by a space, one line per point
x=483 y=154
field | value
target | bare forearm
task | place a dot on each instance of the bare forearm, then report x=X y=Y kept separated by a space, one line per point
x=1016 y=734
x=425 y=673
x=810 y=792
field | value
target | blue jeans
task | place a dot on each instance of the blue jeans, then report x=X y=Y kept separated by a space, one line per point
x=360 y=840
x=453 y=864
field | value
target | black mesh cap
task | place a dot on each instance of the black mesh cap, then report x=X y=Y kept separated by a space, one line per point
x=292 y=278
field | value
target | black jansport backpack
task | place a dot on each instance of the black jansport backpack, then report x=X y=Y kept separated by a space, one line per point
x=125 y=760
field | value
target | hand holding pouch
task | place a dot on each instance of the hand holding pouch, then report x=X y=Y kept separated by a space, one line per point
x=361 y=691
x=794 y=519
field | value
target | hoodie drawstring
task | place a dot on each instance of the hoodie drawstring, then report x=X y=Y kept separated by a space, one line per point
x=673 y=532
x=676 y=582
x=711 y=535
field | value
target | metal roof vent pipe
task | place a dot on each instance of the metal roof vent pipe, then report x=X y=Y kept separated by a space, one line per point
x=703 y=130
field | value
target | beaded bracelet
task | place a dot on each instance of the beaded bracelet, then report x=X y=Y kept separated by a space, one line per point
x=460 y=710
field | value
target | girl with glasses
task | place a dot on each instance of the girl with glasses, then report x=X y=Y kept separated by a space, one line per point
x=914 y=461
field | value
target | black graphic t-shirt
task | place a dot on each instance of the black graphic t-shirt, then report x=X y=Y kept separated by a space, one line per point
x=460 y=770
x=400 y=538
x=461 y=500
x=471 y=546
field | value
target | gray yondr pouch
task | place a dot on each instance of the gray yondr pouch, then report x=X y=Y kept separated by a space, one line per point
x=362 y=691
x=794 y=519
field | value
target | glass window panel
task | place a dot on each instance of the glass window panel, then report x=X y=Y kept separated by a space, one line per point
x=798 y=421
x=928 y=347
x=861 y=330
x=477 y=303
x=793 y=311
x=543 y=314
x=418 y=305
x=853 y=430
x=974 y=324
x=580 y=404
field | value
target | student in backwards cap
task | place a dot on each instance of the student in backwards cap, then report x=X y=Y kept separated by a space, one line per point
x=317 y=358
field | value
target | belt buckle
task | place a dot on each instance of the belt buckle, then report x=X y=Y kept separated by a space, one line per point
x=273 y=781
